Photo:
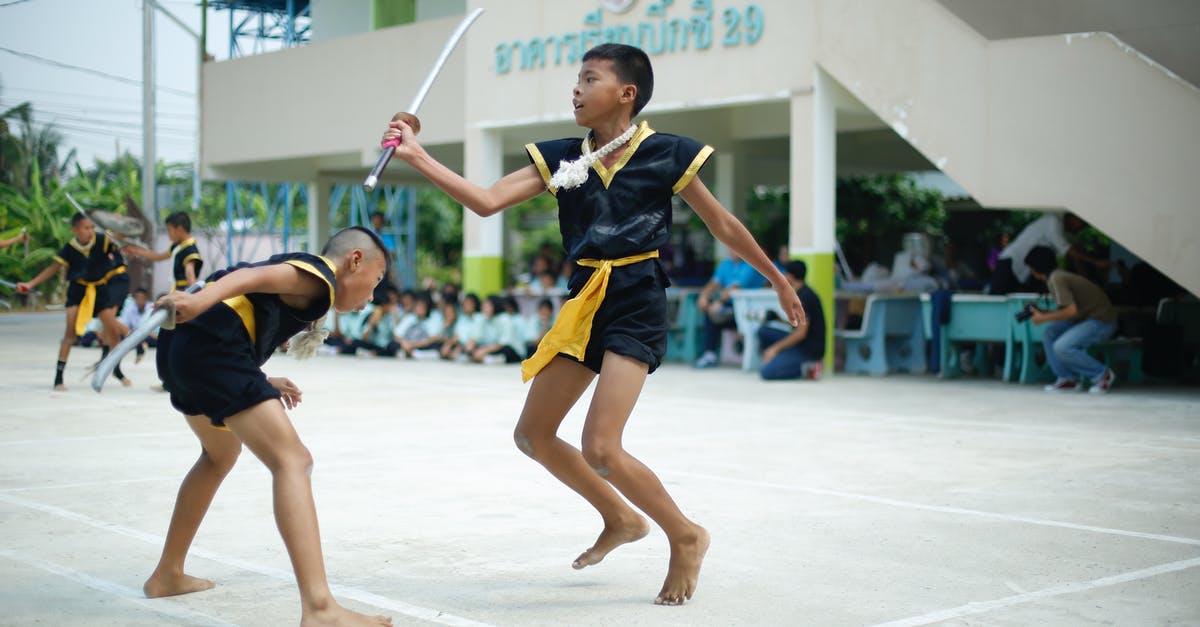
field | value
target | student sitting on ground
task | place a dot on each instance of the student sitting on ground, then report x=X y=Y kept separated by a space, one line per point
x=132 y=314
x=466 y=329
x=500 y=339
x=381 y=323
x=537 y=326
x=423 y=329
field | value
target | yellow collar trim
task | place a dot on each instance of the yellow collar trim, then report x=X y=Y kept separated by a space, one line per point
x=80 y=247
x=606 y=175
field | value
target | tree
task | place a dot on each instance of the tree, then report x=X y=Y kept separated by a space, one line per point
x=874 y=213
x=31 y=144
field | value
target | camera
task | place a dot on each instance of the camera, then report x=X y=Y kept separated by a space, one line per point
x=1026 y=312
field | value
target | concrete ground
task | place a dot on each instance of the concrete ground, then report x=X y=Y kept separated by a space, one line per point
x=903 y=500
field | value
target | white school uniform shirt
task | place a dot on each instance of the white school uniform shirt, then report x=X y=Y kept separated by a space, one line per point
x=435 y=324
x=468 y=327
x=406 y=324
x=1045 y=231
x=131 y=316
x=510 y=331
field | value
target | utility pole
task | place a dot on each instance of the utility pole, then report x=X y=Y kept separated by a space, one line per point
x=149 y=205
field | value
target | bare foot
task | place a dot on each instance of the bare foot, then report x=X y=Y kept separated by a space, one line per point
x=338 y=616
x=126 y=382
x=611 y=538
x=170 y=585
x=60 y=388
x=684 y=569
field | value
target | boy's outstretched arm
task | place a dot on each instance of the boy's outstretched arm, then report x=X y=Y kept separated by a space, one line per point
x=515 y=188
x=42 y=276
x=294 y=286
x=150 y=255
x=731 y=232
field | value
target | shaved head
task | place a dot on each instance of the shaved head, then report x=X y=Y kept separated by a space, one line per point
x=354 y=237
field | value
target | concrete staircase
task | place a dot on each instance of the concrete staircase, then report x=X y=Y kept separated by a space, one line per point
x=1078 y=122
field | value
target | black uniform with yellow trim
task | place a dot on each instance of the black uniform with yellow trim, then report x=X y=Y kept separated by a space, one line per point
x=88 y=266
x=617 y=213
x=212 y=365
x=183 y=253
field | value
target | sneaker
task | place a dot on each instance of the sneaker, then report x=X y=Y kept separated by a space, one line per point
x=1064 y=385
x=813 y=370
x=1102 y=385
x=707 y=360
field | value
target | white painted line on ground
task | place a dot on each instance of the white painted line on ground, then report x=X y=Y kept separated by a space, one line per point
x=979 y=607
x=897 y=424
x=1026 y=430
x=85 y=438
x=88 y=484
x=370 y=598
x=160 y=606
x=937 y=508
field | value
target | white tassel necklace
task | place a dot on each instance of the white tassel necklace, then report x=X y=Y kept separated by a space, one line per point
x=572 y=174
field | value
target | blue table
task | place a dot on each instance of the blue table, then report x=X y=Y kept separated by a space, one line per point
x=973 y=318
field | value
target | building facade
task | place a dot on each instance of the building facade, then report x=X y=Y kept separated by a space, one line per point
x=1042 y=105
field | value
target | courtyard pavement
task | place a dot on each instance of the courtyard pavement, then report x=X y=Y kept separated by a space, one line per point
x=901 y=500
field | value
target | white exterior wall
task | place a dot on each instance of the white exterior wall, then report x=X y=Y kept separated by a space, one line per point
x=777 y=63
x=289 y=115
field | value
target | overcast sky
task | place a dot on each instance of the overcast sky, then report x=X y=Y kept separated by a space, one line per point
x=95 y=114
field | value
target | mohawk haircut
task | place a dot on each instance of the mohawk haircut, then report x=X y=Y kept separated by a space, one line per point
x=631 y=65
x=353 y=237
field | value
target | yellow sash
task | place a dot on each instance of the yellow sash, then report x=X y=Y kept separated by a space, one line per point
x=573 y=328
x=87 y=306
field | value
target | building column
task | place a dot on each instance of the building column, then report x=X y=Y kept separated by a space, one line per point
x=318 y=216
x=813 y=184
x=725 y=191
x=483 y=238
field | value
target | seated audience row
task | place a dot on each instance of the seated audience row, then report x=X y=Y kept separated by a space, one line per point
x=491 y=330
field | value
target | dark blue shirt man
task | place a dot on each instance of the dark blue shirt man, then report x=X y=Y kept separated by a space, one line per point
x=794 y=353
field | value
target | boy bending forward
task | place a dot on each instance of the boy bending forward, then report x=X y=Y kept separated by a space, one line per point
x=211 y=363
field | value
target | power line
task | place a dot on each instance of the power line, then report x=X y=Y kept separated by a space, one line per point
x=9 y=4
x=179 y=134
x=98 y=123
x=71 y=108
x=42 y=116
x=114 y=77
x=126 y=99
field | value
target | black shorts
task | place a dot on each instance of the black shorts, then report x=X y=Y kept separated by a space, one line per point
x=75 y=293
x=208 y=377
x=118 y=289
x=632 y=322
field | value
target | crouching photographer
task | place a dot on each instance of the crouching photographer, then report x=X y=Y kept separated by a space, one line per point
x=1084 y=317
